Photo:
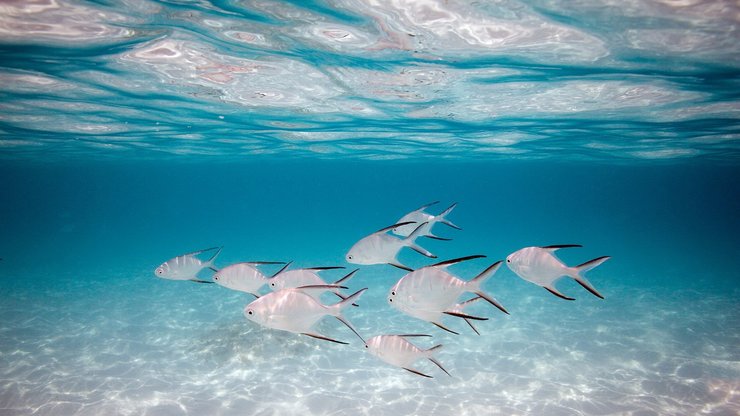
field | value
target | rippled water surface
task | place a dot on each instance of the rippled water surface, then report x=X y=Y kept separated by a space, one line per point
x=135 y=131
x=639 y=79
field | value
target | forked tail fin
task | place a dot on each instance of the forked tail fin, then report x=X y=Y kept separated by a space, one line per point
x=429 y=353
x=442 y=218
x=209 y=263
x=336 y=310
x=475 y=285
x=410 y=241
x=578 y=274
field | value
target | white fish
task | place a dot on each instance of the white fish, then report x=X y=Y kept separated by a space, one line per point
x=382 y=248
x=187 y=266
x=540 y=266
x=295 y=311
x=396 y=350
x=244 y=277
x=435 y=316
x=433 y=290
x=419 y=216
x=287 y=279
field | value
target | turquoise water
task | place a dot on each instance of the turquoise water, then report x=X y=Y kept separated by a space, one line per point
x=286 y=131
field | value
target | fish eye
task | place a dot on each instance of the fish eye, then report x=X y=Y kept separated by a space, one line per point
x=250 y=312
x=160 y=271
x=393 y=293
x=349 y=257
x=508 y=260
x=390 y=299
x=366 y=346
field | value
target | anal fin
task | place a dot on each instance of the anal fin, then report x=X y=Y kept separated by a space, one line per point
x=402 y=267
x=556 y=293
x=471 y=326
x=418 y=373
x=445 y=328
x=201 y=281
x=434 y=360
x=321 y=337
x=465 y=316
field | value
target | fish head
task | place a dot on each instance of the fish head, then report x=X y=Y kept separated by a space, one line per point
x=356 y=255
x=255 y=313
x=393 y=297
x=163 y=271
x=515 y=261
x=276 y=283
x=373 y=345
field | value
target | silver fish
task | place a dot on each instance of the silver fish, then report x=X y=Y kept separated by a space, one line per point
x=288 y=279
x=419 y=215
x=187 y=266
x=293 y=310
x=397 y=351
x=433 y=289
x=244 y=277
x=435 y=316
x=540 y=266
x=382 y=248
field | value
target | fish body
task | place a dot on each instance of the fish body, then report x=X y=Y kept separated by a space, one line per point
x=294 y=310
x=420 y=216
x=244 y=277
x=382 y=248
x=398 y=351
x=540 y=265
x=295 y=278
x=186 y=266
x=433 y=289
x=435 y=316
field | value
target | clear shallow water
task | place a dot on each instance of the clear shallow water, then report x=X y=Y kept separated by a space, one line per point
x=88 y=329
x=134 y=132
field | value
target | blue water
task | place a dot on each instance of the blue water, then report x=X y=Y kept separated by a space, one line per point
x=134 y=132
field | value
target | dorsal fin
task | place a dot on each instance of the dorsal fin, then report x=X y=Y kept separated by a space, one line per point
x=320 y=268
x=195 y=253
x=559 y=246
x=309 y=287
x=390 y=227
x=458 y=260
x=423 y=207
x=282 y=269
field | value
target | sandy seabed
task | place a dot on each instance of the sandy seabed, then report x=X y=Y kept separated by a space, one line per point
x=131 y=344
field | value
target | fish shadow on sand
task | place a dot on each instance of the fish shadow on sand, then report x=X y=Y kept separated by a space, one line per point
x=247 y=343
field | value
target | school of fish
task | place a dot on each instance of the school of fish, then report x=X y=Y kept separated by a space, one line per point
x=429 y=293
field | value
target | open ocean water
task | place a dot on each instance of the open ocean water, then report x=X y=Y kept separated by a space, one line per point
x=135 y=131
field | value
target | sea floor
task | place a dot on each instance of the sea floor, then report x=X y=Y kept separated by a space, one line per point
x=132 y=344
